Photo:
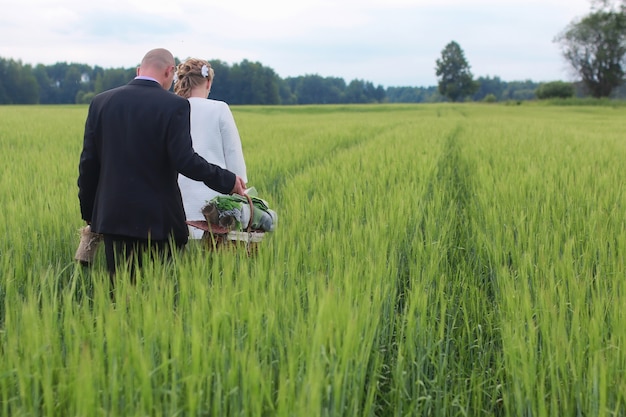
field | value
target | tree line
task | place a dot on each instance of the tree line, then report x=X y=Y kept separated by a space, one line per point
x=241 y=83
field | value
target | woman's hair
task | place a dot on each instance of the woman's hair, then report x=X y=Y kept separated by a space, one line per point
x=191 y=73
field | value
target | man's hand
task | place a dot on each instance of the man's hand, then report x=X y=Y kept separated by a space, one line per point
x=240 y=186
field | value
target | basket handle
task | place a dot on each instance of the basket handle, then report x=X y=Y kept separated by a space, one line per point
x=249 y=229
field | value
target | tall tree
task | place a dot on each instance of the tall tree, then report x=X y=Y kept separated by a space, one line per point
x=453 y=71
x=111 y=78
x=221 y=88
x=607 y=4
x=255 y=83
x=18 y=85
x=595 y=47
x=311 y=89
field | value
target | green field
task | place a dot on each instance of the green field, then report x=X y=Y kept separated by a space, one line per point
x=429 y=260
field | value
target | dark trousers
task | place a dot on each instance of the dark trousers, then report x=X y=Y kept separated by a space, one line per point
x=129 y=251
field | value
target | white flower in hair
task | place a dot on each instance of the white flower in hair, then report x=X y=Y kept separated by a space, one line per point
x=205 y=71
x=175 y=77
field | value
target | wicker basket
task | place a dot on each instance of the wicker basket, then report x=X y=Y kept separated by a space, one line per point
x=216 y=237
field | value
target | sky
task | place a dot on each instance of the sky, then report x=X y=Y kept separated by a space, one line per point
x=386 y=42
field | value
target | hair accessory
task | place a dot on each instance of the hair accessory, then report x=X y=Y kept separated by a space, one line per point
x=175 y=77
x=205 y=71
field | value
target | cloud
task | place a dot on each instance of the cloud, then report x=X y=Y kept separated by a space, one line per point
x=127 y=28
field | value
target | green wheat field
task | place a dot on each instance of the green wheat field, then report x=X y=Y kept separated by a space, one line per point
x=429 y=260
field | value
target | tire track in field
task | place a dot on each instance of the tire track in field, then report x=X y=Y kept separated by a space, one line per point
x=470 y=330
x=468 y=284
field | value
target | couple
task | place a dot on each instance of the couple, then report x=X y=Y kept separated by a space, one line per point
x=138 y=139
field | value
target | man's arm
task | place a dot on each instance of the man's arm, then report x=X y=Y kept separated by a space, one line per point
x=88 y=168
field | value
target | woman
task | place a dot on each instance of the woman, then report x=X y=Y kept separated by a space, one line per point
x=213 y=132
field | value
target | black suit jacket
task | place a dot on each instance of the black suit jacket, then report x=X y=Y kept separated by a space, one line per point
x=137 y=140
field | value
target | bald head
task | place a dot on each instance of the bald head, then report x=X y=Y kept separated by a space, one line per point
x=157 y=58
x=158 y=64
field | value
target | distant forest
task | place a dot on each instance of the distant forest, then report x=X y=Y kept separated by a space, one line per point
x=241 y=83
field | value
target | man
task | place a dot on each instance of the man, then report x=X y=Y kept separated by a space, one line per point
x=137 y=139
